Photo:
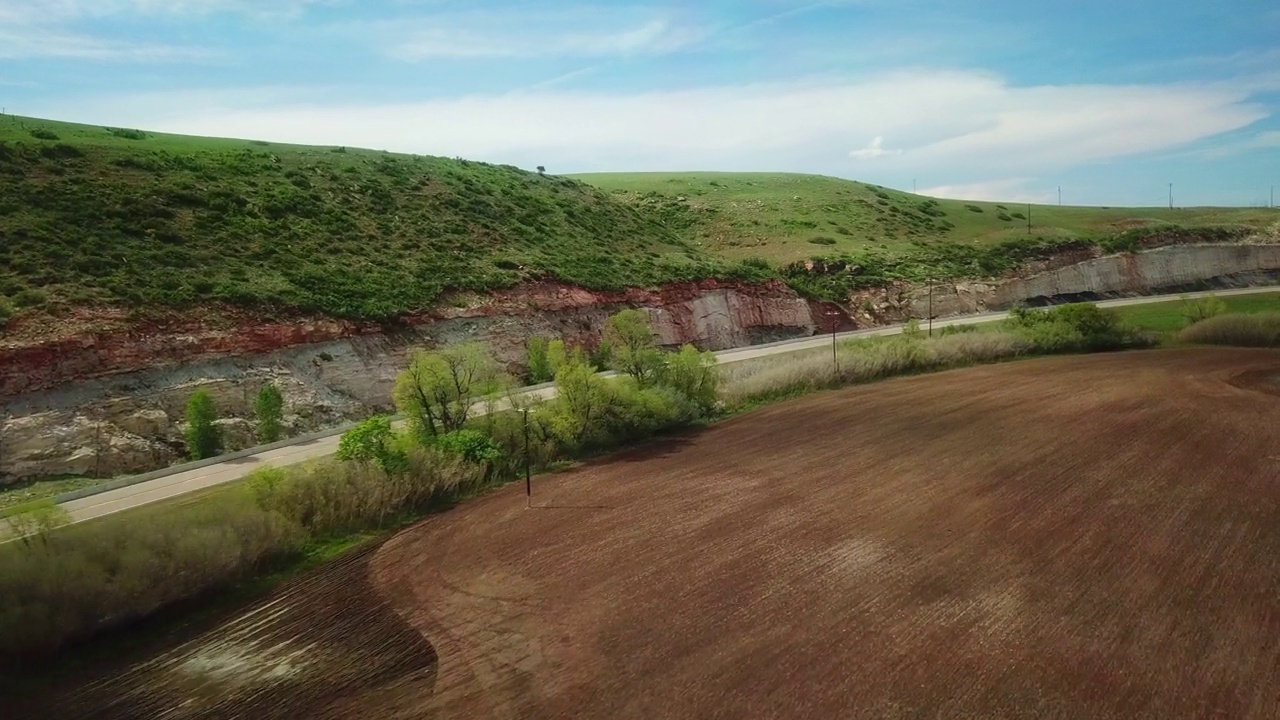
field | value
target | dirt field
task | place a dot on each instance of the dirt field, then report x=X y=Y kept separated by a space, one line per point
x=1089 y=537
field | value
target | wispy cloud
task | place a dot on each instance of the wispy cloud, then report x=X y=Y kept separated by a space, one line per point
x=874 y=149
x=66 y=28
x=1260 y=141
x=517 y=34
x=949 y=125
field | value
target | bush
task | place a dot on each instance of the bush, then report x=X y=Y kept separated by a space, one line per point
x=1256 y=330
x=539 y=363
x=1075 y=327
x=44 y=134
x=204 y=440
x=372 y=442
x=7 y=310
x=472 y=445
x=269 y=410
x=1193 y=311
x=822 y=240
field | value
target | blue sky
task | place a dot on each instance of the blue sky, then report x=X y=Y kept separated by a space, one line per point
x=984 y=99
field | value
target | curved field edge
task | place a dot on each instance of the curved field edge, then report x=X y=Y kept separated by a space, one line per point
x=993 y=542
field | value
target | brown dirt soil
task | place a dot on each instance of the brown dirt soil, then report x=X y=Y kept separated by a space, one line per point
x=325 y=646
x=1076 y=537
x=1085 y=537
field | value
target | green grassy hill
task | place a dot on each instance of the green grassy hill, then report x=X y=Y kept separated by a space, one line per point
x=786 y=217
x=100 y=215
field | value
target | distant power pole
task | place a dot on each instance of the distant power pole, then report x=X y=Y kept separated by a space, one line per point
x=1170 y=196
x=913 y=185
x=1059 y=196
x=1028 y=218
x=1273 y=197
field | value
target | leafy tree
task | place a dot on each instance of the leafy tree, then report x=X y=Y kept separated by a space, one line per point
x=438 y=389
x=269 y=410
x=204 y=439
x=912 y=331
x=372 y=441
x=694 y=375
x=577 y=414
x=542 y=170
x=539 y=363
x=635 y=352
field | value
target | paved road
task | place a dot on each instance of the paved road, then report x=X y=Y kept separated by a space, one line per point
x=191 y=480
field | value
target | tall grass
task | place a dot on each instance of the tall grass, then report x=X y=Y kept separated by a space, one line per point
x=751 y=383
x=1260 y=330
x=76 y=581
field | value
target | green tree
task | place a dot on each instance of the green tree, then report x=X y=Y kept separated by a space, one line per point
x=539 y=364
x=269 y=410
x=438 y=389
x=634 y=350
x=694 y=375
x=204 y=439
x=372 y=441
x=577 y=414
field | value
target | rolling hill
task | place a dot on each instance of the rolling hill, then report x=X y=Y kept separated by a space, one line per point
x=786 y=217
x=94 y=215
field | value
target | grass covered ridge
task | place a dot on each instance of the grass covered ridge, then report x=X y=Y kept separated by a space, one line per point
x=785 y=217
x=107 y=215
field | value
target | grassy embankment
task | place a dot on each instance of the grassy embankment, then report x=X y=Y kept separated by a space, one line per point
x=92 y=215
x=865 y=236
x=71 y=583
x=787 y=217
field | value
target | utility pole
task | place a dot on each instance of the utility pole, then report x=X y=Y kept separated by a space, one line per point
x=913 y=185
x=528 y=483
x=1272 y=204
x=834 y=361
x=1059 y=196
x=930 y=307
x=1028 y=218
x=1170 y=196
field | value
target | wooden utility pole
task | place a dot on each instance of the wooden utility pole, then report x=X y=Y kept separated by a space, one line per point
x=930 y=307
x=528 y=482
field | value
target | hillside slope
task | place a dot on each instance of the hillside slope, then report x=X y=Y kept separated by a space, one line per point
x=787 y=217
x=92 y=215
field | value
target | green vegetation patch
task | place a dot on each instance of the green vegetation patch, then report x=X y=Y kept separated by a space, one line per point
x=109 y=215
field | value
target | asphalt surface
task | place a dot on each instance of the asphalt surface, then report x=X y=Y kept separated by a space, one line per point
x=181 y=483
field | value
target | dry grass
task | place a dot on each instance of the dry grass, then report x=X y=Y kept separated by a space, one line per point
x=750 y=383
x=1260 y=330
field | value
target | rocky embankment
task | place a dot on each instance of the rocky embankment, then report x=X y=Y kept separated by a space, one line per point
x=103 y=394
x=106 y=395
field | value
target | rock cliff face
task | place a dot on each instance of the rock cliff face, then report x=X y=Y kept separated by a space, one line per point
x=111 y=400
x=1163 y=270
x=105 y=395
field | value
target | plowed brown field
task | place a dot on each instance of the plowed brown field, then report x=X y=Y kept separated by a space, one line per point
x=1092 y=537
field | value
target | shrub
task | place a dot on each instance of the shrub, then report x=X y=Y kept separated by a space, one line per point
x=472 y=445
x=44 y=134
x=1256 y=330
x=973 y=208
x=1193 y=311
x=204 y=440
x=269 y=410
x=823 y=240
x=372 y=441
x=7 y=310
x=695 y=377
x=539 y=363
x=1079 y=326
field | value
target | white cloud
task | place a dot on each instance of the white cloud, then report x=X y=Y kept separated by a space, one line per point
x=1259 y=141
x=521 y=34
x=952 y=126
x=1013 y=190
x=873 y=150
